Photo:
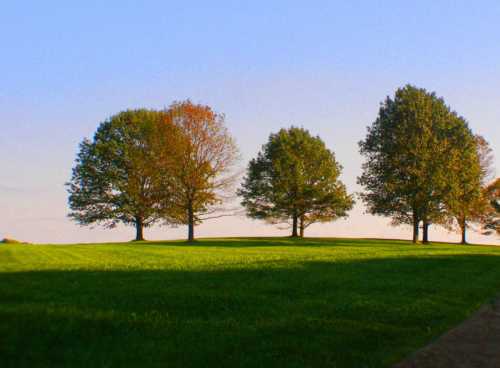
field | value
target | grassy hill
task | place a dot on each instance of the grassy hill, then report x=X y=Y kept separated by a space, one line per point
x=235 y=302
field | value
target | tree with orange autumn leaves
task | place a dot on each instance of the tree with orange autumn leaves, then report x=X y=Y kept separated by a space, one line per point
x=466 y=202
x=203 y=167
x=491 y=219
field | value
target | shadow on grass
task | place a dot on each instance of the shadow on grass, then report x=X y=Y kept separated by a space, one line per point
x=345 y=314
x=279 y=242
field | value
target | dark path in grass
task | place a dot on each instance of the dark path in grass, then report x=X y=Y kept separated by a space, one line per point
x=473 y=344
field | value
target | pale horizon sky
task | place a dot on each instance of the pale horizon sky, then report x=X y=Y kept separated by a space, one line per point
x=322 y=65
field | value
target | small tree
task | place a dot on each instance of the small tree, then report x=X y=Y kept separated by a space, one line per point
x=491 y=219
x=295 y=179
x=202 y=172
x=116 y=178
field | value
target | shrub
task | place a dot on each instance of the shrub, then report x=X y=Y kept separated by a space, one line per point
x=10 y=241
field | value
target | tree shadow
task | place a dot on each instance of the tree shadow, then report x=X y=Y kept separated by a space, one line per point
x=349 y=314
x=279 y=242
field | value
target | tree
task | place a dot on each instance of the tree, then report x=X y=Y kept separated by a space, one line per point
x=407 y=151
x=469 y=171
x=202 y=173
x=491 y=220
x=295 y=178
x=116 y=178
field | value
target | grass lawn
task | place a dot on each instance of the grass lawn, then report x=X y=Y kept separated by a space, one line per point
x=271 y=302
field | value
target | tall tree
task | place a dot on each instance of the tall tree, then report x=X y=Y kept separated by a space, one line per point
x=469 y=171
x=295 y=178
x=203 y=172
x=407 y=152
x=115 y=179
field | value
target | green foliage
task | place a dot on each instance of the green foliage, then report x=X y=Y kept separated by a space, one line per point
x=468 y=170
x=295 y=177
x=116 y=178
x=276 y=302
x=411 y=150
x=10 y=241
x=144 y=166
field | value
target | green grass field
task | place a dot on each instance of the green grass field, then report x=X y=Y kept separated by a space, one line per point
x=235 y=302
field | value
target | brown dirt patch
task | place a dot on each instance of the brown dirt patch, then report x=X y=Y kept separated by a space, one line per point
x=473 y=344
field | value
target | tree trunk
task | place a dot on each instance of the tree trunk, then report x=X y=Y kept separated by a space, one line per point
x=463 y=226
x=416 y=224
x=425 y=239
x=139 y=226
x=294 y=226
x=301 y=226
x=190 y=223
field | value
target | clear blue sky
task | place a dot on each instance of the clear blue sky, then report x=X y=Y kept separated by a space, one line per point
x=66 y=66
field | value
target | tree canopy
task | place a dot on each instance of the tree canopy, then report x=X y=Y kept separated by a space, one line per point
x=412 y=150
x=295 y=178
x=144 y=166
x=116 y=178
x=491 y=220
x=465 y=202
x=203 y=171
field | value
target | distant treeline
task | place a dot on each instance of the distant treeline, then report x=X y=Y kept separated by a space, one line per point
x=178 y=166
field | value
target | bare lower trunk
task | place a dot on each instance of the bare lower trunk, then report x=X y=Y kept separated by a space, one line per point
x=301 y=227
x=139 y=227
x=425 y=238
x=416 y=224
x=463 y=227
x=294 y=226
x=190 y=223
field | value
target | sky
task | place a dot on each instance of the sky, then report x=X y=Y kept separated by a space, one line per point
x=324 y=65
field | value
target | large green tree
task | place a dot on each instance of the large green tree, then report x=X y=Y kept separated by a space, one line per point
x=408 y=151
x=117 y=178
x=295 y=178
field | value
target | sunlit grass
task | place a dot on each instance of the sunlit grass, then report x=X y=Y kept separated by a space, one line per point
x=249 y=302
